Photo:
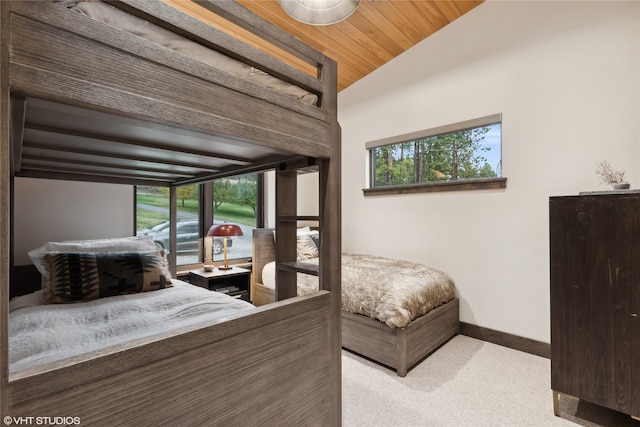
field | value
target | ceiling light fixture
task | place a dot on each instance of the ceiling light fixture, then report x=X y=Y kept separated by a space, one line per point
x=319 y=12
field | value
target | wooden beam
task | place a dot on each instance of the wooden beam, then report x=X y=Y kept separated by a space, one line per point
x=286 y=207
x=18 y=106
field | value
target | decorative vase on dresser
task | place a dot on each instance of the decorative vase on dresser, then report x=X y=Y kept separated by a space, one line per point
x=595 y=299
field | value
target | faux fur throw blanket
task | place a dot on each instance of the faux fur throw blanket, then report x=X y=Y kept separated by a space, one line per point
x=392 y=291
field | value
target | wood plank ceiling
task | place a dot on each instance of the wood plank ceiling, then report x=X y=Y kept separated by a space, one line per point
x=377 y=32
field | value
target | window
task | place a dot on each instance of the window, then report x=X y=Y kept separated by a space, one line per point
x=152 y=218
x=463 y=153
x=235 y=199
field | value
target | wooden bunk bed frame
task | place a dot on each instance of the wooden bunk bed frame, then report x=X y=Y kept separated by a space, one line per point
x=247 y=370
x=399 y=349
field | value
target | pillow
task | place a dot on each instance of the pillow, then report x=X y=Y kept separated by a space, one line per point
x=118 y=244
x=306 y=246
x=303 y=230
x=85 y=276
x=316 y=239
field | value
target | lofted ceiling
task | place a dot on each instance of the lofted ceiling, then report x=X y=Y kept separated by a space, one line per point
x=73 y=143
x=377 y=32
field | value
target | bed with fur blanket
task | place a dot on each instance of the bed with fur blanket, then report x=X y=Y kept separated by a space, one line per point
x=395 y=312
x=392 y=291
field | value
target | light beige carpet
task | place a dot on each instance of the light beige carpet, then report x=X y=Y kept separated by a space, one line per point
x=465 y=383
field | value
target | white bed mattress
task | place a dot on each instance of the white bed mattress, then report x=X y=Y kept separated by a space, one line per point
x=392 y=291
x=40 y=333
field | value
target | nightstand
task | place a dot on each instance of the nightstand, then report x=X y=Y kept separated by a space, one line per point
x=236 y=282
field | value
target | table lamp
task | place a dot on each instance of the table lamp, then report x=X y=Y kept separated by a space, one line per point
x=225 y=230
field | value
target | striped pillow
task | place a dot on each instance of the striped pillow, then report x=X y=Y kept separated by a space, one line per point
x=85 y=276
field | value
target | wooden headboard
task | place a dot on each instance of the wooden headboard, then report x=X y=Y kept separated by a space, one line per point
x=263 y=251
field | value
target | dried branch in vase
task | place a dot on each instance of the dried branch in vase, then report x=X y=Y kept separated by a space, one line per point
x=608 y=174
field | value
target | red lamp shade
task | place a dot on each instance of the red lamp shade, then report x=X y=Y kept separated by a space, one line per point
x=225 y=230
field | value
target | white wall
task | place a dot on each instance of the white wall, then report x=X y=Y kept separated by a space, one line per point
x=52 y=210
x=566 y=77
x=308 y=198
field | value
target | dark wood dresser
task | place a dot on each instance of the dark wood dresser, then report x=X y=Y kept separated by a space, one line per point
x=595 y=299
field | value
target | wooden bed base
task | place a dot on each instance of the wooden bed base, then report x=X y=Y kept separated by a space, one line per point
x=217 y=375
x=400 y=349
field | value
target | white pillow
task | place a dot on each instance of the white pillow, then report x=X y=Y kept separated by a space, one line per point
x=118 y=244
x=307 y=244
x=303 y=230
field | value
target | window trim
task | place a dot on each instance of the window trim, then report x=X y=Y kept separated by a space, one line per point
x=430 y=187
x=435 y=187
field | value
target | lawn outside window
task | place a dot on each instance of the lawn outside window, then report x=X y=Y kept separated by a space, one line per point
x=235 y=200
x=461 y=156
